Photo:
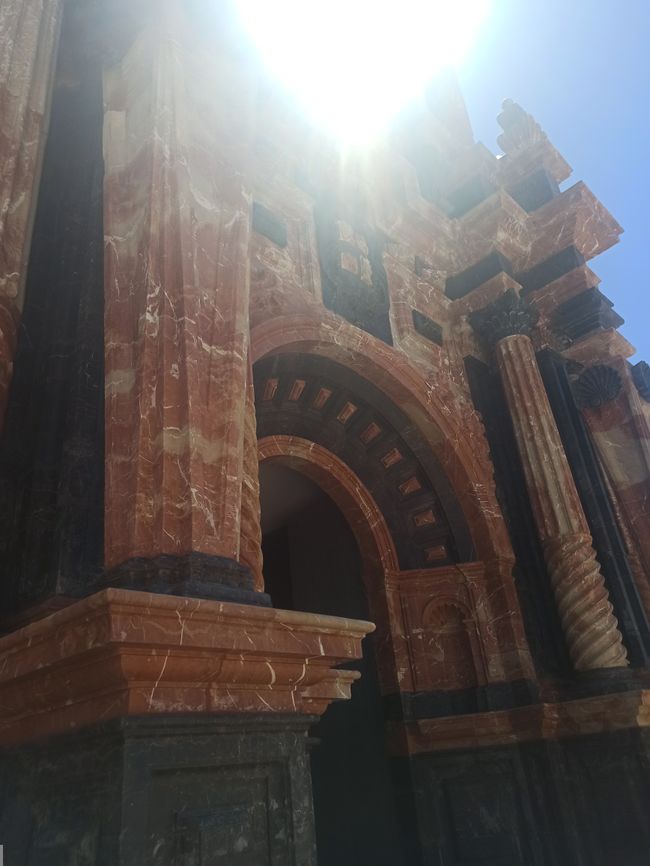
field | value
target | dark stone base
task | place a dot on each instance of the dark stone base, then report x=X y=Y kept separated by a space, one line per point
x=604 y=681
x=162 y=791
x=195 y=574
x=577 y=802
x=411 y=706
x=236 y=791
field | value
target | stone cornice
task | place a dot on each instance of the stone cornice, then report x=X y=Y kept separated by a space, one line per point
x=121 y=653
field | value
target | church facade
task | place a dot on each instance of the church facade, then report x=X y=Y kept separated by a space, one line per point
x=324 y=480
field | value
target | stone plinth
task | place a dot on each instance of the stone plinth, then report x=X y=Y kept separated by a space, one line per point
x=122 y=653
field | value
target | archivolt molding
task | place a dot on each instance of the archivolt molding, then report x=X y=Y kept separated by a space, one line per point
x=458 y=443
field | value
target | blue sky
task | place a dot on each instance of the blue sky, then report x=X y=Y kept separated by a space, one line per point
x=582 y=69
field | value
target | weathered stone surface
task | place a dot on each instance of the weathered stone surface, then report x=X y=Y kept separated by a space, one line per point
x=52 y=441
x=582 y=599
x=610 y=534
x=127 y=653
x=577 y=800
x=29 y=32
x=620 y=431
x=177 y=225
x=168 y=790
x=352 y=287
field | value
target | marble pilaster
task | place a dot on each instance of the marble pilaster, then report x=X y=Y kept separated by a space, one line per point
x=176 y=145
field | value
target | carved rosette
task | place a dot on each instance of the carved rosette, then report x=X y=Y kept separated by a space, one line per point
x=597 y=386
x=590 y=627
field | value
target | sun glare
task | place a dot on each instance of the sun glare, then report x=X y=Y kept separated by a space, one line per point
x=352 y=64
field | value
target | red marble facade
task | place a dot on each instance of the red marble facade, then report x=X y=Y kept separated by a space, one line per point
x=177 y=234
x=29 y=31
x=196 y=293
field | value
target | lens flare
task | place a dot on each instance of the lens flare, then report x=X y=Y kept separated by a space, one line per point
x=352 y=64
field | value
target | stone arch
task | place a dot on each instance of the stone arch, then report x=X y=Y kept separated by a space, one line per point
x=458 y=445
x=366 y=521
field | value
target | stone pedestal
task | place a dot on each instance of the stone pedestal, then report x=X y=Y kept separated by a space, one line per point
x=139 y=728
x=181 y=790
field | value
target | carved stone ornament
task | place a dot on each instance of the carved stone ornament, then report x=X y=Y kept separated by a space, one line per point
x=508 y=315
x=596 y=386
x=641 y=376
x=519 y=127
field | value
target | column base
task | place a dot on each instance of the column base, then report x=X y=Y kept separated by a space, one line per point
x=182 y=790
x=197 y=575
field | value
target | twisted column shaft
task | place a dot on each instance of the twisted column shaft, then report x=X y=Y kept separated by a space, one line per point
x=589 y=625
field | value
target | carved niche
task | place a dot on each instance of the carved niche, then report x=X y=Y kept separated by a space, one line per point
x=447 y=642
x=446 y=629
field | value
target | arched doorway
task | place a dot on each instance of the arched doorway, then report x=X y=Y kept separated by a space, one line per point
x=322 y=419
x=312 y=562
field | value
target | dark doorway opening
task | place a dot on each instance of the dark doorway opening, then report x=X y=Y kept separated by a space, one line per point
x=312 y=563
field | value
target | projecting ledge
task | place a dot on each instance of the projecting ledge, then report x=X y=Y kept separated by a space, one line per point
x=545 y=721
x=121 y=652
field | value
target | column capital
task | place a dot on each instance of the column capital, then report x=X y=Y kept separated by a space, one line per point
x=508 y=316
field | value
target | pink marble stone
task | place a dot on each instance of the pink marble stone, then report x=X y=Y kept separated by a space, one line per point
x=29 y=31
x=176 y=324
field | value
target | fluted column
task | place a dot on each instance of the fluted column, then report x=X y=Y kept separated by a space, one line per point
x=251 y=531
x=177 y=224
x=590 y=628
x=29 y=31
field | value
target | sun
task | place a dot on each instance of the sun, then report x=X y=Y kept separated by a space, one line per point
x=353 y=64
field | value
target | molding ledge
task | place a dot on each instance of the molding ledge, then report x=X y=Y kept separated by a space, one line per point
x=121 y=653
x=546 y=721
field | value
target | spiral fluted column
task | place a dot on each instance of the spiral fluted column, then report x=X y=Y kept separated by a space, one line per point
x=590 y=628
